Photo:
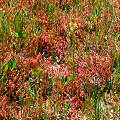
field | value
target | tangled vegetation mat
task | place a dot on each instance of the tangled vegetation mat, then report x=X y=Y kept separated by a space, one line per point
x=59 y=60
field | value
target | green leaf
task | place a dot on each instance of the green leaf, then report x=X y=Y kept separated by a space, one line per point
x=66 y=80
x=51 y=18
x=39 y=5
x=51 y=81
x=8 y=3
x=48 y=7
x=11 y=3
x=7 y=65
x=20 y=33
x=3 y=74
x=3 y=23
x=89 y=17
x=62 y=80
x=32 y=72
x=24 y=35
x=93 y=12
x=16 y=23
x=66 y=105
x=35 y=74
x=14 y=62
x=16 y=34
x=13 y=34
x=39 y=32
x=59 y=80
x=1 y=15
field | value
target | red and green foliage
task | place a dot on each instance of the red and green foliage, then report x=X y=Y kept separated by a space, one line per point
x=59 y=59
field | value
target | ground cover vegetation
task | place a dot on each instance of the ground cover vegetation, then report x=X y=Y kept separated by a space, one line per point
x=59 y=60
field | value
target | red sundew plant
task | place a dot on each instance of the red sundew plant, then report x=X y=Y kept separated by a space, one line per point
x=59 y=59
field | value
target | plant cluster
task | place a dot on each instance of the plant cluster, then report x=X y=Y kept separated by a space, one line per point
x=59 y=59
